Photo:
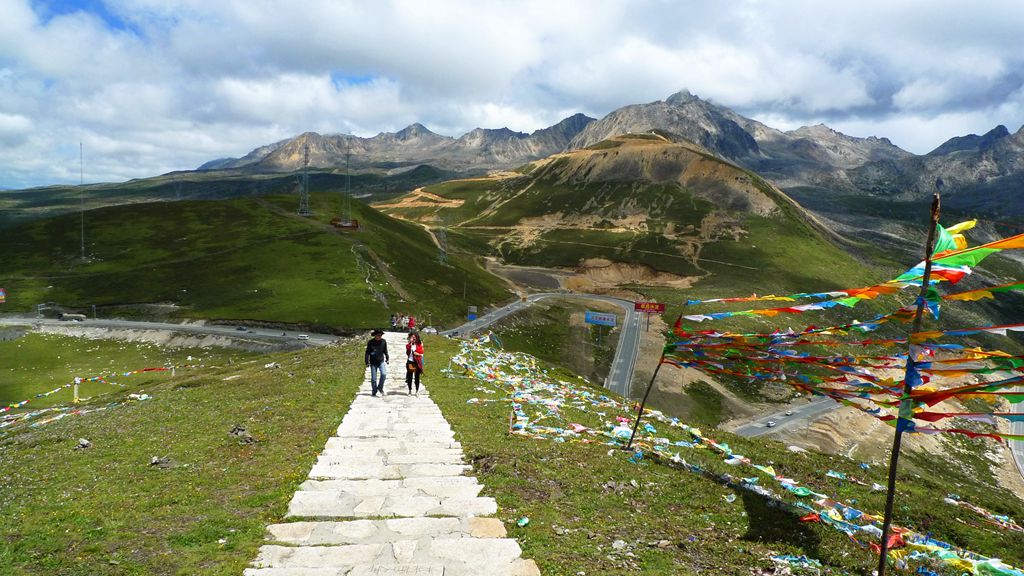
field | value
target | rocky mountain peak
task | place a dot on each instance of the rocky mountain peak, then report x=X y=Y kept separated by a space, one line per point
x=816 y=130
x=568 y=127
x=682 y=114
x=682 y=97
x=972 y=141
x=415 y=130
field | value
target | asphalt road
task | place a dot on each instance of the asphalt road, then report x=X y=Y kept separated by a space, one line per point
x=1017 y=447
x=625 y=352
x=266 y=334
x=803 y=414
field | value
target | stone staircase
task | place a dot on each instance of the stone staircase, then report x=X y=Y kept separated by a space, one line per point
x=389 y=495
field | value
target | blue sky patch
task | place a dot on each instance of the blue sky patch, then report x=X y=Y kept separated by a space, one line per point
x=49 y=9
x=341 y=80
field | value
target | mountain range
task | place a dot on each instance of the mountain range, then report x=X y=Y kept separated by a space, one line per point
x=977 y=173
x=478 y=149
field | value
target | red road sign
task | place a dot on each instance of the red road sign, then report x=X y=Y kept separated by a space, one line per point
x=649 y=307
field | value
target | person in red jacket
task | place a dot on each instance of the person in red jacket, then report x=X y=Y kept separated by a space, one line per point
x=413 y=361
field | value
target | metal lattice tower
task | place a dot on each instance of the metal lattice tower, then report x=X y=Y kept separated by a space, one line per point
x=81 y=194
x=304 y=184
x=346 y=203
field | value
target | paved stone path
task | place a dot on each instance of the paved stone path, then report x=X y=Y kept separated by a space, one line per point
x=389 y=496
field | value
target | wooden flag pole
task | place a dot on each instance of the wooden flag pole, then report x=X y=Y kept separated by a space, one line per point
x=905 y=404
x=643 y=402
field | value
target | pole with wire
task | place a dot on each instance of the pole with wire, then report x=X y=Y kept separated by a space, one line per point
x=81 y=194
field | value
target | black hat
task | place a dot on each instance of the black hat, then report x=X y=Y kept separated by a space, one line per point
x=377 y=332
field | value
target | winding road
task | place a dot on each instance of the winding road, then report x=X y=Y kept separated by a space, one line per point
x=625 y=352
x=802 y=415
x=1016 y=446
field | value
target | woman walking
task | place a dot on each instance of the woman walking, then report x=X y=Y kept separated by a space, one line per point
x=413 y=361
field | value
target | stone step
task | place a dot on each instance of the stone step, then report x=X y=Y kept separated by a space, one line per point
x=386 y=457
x=372 y=448
x=336 y=442
x=440 y=486
x=382 y=531
x=384 y=472
x=425 y=435
x=456 y=556
x=406 y=502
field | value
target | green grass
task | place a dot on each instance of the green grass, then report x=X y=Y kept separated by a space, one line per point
x=702 y=406
x=38 y=363
x=580 y=499
x=547 y=330
x=257 y=261
x=105 y=510
x=19 y=206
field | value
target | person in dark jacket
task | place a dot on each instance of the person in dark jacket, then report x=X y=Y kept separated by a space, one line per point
x=376 y=358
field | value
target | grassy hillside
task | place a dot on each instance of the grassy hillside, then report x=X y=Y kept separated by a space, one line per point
x=670 y=206
x=23 y=205
x=553 y=330
x=107 y=510
x=243 y=259
x=590 y=509
x=582 y=496
x=38 y=363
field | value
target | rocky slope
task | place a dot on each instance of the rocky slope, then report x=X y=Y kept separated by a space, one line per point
x=808 y=154
x=478 y=149
x=665 y=209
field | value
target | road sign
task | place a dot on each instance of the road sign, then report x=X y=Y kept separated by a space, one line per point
x=649 y=307
x=600 y=318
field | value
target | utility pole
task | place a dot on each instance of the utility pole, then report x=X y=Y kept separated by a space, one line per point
x=81 y=194
x=304 y=184
x=346 y=209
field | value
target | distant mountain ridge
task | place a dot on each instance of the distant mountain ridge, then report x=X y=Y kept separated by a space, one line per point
x=980 y=172
x=480 y=148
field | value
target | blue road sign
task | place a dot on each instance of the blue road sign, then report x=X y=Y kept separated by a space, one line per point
x=600 y=318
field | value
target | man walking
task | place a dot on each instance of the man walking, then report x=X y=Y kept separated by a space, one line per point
x=376 y=358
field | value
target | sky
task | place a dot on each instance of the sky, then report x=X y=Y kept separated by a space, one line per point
x=151 y=86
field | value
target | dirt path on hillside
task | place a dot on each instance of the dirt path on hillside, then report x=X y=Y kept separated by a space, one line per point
x=385 y=270
x=420 y=198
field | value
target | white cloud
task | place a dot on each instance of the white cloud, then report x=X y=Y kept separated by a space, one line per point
x=185 y=81
x=14 y=129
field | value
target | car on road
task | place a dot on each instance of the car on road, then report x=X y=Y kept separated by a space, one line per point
x=770 y=424
x=789 y=412
x=303 y=336
x=240 y=328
